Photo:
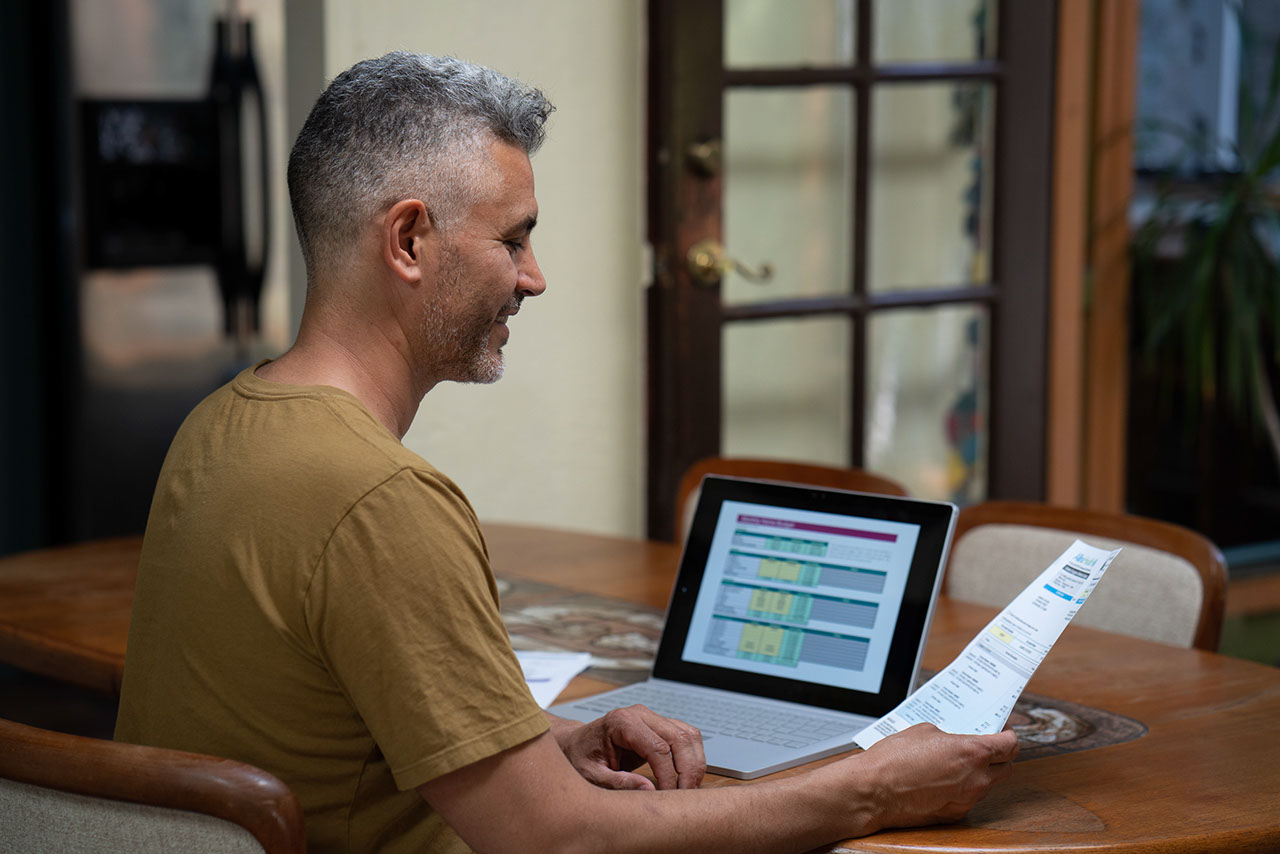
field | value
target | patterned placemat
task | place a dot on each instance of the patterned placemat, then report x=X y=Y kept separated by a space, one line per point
x=622 y=638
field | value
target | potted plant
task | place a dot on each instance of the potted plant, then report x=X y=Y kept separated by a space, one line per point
x=1207 y=292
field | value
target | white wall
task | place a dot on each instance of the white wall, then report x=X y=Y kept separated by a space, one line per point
x=559 y=441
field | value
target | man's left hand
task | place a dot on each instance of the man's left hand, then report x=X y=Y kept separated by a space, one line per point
x=606 y=750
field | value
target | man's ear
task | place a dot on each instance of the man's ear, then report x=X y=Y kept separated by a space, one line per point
x=407 y=233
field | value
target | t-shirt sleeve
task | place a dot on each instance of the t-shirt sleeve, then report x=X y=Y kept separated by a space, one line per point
x=403 y=609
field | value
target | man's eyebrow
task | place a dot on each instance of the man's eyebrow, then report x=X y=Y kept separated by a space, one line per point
x=525 y=225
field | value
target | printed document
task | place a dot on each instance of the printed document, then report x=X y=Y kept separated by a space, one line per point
x=976 y=692
x=548 y=673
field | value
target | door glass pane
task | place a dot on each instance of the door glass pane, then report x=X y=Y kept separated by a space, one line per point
x=788 y=186
x=786 y=389
x=763 y=33
x=931 y=185
x=934 y=30
x=927 y=397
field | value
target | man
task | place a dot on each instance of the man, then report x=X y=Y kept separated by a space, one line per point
x=316 y=600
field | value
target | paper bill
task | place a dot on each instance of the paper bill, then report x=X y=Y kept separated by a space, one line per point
x=976 y=692
x=548 y=673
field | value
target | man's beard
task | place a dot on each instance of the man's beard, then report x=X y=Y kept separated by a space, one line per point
x=459 y=346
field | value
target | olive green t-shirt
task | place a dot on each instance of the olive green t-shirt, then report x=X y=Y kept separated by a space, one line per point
x=316 y=600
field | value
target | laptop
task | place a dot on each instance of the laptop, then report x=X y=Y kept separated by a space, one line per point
x=799 y=616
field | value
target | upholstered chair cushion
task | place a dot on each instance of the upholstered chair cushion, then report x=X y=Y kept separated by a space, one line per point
x=1146 y=592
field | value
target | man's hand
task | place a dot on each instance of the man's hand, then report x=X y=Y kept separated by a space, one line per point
x=925 y=776
x=605 y=750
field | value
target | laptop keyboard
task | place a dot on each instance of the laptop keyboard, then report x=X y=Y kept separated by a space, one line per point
x=721 y=716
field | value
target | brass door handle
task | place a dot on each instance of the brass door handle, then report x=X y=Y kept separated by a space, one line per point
x=705 y=157
x=708 y=264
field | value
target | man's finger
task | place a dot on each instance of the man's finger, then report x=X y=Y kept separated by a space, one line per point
x=1004 y=747
x=608 y=779
x=690 y=758
x=683 y=747
x=657 y=752
x=673 y=749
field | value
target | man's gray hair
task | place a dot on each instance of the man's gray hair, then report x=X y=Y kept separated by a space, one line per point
x=404 y=125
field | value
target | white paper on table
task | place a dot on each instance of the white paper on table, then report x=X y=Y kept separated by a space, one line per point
x=547 y=673
x=976 y=692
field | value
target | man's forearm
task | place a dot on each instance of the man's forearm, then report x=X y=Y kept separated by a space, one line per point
x=919 y=776
x=792 y=814
x=548 y=807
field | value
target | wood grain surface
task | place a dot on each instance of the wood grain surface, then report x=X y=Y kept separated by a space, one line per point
x=1205 y=777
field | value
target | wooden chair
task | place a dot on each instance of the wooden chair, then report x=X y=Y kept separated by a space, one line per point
x=759 y=469
x=61 y=792
x=1169 y=583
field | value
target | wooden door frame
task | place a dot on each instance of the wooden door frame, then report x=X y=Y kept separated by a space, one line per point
x=1093 y=182
x=684 y=425
x=1020 y=325
x=1065 y=426
x=1107 y=312
x=685 y=77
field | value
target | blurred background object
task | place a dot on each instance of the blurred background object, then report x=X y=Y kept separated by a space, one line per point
x=138 y=225
x=1204 y=430
x=1204 y=434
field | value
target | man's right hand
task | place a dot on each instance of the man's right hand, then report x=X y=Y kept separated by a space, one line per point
x=923 y=775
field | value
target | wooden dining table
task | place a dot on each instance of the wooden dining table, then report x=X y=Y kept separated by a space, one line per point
x=1198 y=768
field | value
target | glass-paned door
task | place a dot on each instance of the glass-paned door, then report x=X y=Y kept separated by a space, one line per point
x=853 y=157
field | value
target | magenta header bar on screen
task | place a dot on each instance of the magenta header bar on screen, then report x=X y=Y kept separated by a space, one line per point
x=820 y=529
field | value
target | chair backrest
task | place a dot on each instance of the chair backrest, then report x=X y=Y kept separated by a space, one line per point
x=1169 y=583
x=781 y=470
x=68 y=793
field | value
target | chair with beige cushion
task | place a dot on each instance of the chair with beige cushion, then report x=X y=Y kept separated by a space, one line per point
x=1167 y=585
x=780 y=470
x=68 y=793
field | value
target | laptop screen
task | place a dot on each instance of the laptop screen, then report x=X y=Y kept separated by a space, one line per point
x=805 y=594
x=801 y=594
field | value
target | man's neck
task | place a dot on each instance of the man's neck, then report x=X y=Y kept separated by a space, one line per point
x=377 y=372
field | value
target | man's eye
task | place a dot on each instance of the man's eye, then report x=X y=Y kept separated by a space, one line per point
x=514 y=245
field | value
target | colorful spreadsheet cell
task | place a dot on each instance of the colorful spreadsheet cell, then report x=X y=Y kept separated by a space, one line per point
x=748 y=601
x=785 y=646
x=776 y=543
x=847 y=653
x=861 y=580
x=843 y=612
x=804 y=573
x=778 y=605
x=771 y=644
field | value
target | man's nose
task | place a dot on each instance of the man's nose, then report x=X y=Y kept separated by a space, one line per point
x=530 y=282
